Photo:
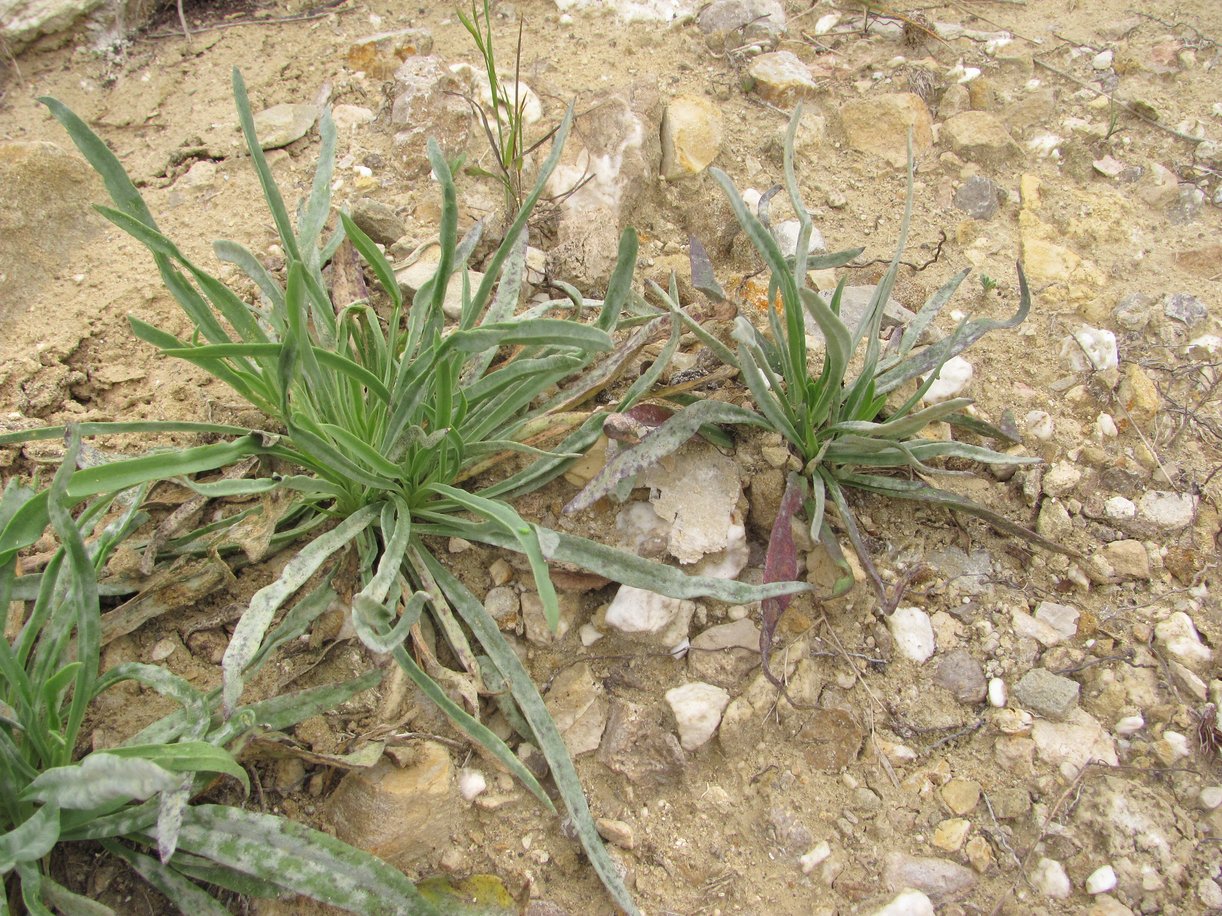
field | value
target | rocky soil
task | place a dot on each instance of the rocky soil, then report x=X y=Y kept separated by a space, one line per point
x=1026 y=732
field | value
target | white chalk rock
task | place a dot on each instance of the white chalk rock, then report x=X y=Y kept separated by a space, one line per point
x=696 y=492
x=1039 y=424
x=1120 y=509
x=997 y=693
x=1101 y=880
x=1178 y=635
x=953 y=378
x=1049 y=878
x=471 y=783
x=813 y=859
x=650 y=616
x=697 y=708
x=786 y=235
x=1169 y=511
x=908 y=903
x=913 y=633
x=1090 y=348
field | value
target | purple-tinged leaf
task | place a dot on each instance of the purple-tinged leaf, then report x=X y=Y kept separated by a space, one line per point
x=702 y=271
x=780 y=565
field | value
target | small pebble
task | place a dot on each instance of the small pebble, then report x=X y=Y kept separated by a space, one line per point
x=1049 y=878
x=1130 y=725
x=471 y=783
x=1210 y=797
x=997 y=692
x=1101 y=880
x=811 y=860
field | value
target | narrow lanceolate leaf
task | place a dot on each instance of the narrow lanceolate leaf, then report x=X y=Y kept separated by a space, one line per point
x=184 y=893
x=663 y=441
x=527 y=697
x=932 y=357
x=106 y=163
x=69 y=902
x=619 y=566
x=99 y=779
x=30 y=840
x=780 y=565
x=299 y=860
x=171 y=807
x=702 y=271
x=922 y=492
x=248 y=635
x=187 y=757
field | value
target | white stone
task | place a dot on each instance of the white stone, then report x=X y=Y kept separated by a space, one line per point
x=1049 y=878
x=1105 y=427
x=1061 y=617
x=811 y=860
x=655 y=617
x=913 y=633
x=471 y=783
x=589 y=634
x=908 y=903
x=1039 y=424
x=1120 y=508
x=1209 y=893
x=1028 y=627
x=1168 y=511
x=1210 y=797
x=1129 y=725
x=826 y=23
x=634 y=10
x=1102 y=60
x=1090 y=348
x=1071 y=744
x=953 y=378
x=1172 y=746
x=696 y=491
x=728 y=563
x=697 y=708
x=786 y=236
x=1101 y=880
x=997 y=693
x=1178 y=636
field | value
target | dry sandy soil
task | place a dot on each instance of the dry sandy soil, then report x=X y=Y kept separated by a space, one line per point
x=891 y=768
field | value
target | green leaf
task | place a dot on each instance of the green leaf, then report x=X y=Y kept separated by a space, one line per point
x=98 y=780
x=185 y=894
x=30 y=840
x=527 y=697
x=248 y=635
x=187 y=757
x=299 y=860
x=663 y=441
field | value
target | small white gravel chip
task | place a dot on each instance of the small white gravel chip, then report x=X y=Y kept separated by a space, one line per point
x=1101 y=880
x=908 y=903
x=815 y=857
x=913 y=633
x=471 y=783
x=953 y=378
x=997 y=693
x=1120 y=508
x=697 y=708
x=1049 y=878
x=1210 y=797
x=1039 y=424
x=1129 y=725
x=589 y=634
